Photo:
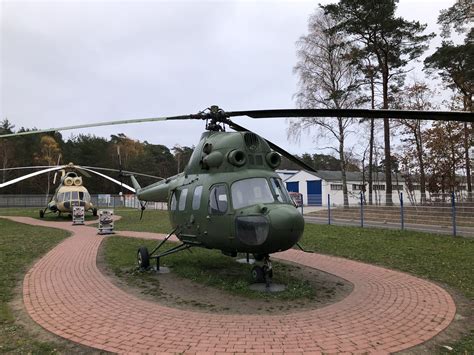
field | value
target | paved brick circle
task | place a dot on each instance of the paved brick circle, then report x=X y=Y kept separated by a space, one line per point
x=387 y=311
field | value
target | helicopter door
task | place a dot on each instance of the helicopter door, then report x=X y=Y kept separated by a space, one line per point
x=218 y=220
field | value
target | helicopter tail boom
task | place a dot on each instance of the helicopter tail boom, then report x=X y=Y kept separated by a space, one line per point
x=135 y=184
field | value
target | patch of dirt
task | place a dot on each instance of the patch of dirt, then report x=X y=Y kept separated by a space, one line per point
x=174 y=291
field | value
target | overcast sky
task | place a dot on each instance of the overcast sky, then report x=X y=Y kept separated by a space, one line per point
x=73 y=62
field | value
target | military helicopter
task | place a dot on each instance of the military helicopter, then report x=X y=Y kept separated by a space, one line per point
x=229 y=196
x=71 y=190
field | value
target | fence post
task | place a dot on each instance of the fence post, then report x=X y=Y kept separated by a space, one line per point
x=453 y=204
x=361 y=210
x=329 y=209
x=402 y=216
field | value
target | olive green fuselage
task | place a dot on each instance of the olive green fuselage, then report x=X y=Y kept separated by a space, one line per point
x=229 y=197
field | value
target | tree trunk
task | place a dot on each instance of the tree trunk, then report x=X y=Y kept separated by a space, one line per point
x=467 y=159
x=371 y=160
x=386 y=133
x=421 y=162
x=371 y=142
x=343 y=163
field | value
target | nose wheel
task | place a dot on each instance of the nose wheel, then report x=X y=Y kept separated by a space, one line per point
x=264 y=273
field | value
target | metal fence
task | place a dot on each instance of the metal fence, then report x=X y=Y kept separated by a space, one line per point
x=446 y=214
x=99 y=201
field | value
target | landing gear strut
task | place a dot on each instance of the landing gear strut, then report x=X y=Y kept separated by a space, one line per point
x=143 y=256
x=263 y=274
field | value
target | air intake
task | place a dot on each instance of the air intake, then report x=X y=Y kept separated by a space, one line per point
x=251 y=140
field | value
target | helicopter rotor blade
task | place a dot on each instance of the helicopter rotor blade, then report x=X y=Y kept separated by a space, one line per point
x=27 y=176
x=82 y=171
x=358 y=113
x=99 y=124
x=220 y=115
x=30 y=167
x=124 y=172
x=109 y=178
x=276 y=148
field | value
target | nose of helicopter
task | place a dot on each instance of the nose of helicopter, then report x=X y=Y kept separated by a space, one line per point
x=286 y=227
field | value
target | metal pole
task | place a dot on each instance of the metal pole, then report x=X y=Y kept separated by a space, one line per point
x=453 y=204
x=361 y=210
x=402 y=216
x=329 y=209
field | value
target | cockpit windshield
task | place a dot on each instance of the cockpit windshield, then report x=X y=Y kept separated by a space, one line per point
x=250 y=192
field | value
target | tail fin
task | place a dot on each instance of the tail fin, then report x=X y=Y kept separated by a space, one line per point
x=135 y=184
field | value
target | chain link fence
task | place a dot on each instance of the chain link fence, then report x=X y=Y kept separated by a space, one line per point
x=99 y=201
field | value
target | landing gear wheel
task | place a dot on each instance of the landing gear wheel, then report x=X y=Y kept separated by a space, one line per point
x=143 y=258
x=258 y=275
x=41 y=214
x=258 y=257
x=94 y=212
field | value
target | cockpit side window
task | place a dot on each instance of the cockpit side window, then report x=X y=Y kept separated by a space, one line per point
x=67 y=196
x=218 y=201
x=280 y=191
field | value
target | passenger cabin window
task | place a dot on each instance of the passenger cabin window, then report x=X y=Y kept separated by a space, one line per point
x=218 y=199
x=251 y=192
x=173 y=201
x=197 y=197
x=182 y=199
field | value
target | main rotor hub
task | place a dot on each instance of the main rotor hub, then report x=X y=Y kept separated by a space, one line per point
x=215 y=118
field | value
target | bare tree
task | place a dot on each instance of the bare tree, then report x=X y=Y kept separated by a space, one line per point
x=327 y=79
x=417 y=96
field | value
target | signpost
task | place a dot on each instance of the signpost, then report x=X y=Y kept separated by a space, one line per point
x=106 y=222
x=77 y=215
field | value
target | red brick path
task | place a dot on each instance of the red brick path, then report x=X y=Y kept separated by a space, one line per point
x=387 y=311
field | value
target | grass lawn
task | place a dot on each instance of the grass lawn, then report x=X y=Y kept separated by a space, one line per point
x=153 y=221
x=20 y=245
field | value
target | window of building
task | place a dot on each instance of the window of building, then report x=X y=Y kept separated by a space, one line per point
x=397 y=187
x=379 y=187
x=416 y=187
x=336 y=186
x=182 y=199
x=358 y=187
x=218 y=199
x=197 y=197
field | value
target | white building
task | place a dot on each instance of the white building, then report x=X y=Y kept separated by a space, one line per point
x=315 y=187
